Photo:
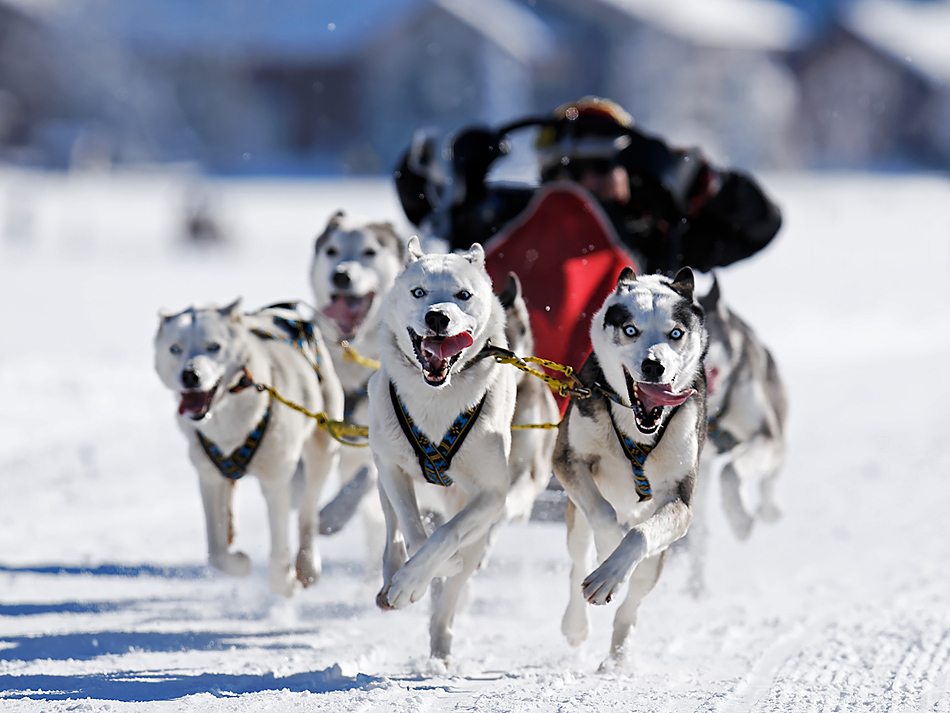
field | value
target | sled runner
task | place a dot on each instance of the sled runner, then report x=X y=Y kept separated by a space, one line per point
x=568 y=257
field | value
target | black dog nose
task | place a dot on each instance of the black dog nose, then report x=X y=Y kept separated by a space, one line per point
x=341 y=279
x=189 y=378
x=651 y=369
x=437 y=322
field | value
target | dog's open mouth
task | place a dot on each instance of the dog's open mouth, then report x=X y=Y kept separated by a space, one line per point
x=438 y=354
x=649 y=400
x=348 y=312
x=196 y=404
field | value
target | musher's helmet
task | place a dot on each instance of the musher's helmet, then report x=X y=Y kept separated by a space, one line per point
x=588 y=134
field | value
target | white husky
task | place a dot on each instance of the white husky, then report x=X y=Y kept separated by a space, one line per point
x=355 y=262
x=208 y=357
x=628 y=456
x=440 y=423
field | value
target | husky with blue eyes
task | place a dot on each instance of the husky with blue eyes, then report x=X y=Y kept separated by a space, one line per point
x=628 y=455
x=440 y=420
x=210 y=358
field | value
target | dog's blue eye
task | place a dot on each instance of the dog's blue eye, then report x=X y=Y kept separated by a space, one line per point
x=214 y=347
x=630 y=330
x=175 y=349
x=464 y=295
x=418 y=293
x=676 y=333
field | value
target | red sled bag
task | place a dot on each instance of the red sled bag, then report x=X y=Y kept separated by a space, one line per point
x=568 y=258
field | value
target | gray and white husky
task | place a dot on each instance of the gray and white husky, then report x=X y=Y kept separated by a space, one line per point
x=747 y=406
x=207 y=357
x=628 y=456
x=355 y=262
x=440 y=421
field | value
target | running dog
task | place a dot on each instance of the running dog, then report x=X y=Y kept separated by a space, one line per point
x=440 y=419
x=628 y=456
x=355 y=262
x=211 y=358
x=747 y=411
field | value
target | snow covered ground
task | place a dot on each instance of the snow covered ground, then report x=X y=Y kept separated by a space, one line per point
x=105 y=601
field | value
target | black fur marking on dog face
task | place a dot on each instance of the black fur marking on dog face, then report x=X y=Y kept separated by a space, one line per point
x=689 y=314
x=617 y=316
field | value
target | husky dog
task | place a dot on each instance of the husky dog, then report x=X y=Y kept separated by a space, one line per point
x=440 y=420
x=747 y=409
x=531 y=449
x=628 y=456
x=354 y=264
x=210 y=358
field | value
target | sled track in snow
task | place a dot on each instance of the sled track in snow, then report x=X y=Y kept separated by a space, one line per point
x=876 y=661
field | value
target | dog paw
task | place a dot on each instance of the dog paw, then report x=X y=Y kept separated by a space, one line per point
x=576 y=624
x=407 y=587
x=235 y=564
x=283 y=580
x=740 y=522
x=601 y=584
x=308 y=568
x=770 y=511
x=615 y=663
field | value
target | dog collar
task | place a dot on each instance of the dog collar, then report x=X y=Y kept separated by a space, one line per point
x=435 y=459
x=234 y=466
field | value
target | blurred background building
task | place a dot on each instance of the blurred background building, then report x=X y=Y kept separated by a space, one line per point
x=332 y=87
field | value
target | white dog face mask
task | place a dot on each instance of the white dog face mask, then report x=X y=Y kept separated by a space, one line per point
x=439 y=308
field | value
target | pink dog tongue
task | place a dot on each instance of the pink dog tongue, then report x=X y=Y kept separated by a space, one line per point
x=447 y=347
x=194 y=401
x=653 y=395
x=346 y=311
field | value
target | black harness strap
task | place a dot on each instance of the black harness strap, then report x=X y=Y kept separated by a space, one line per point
x=435 y=459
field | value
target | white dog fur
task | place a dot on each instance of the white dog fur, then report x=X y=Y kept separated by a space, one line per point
x=201 y=355
x=648 y=347
x=439 y=314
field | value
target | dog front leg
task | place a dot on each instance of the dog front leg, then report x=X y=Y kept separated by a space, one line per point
x=282 y=576
x=394 y=550
x=217 y=498
x=648 y=539
x=576 y=478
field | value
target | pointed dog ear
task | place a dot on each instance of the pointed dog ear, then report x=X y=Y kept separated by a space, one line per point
x=627 y=276
x=332 y=225
x=165 y=315
x=232 y=310
x=475 y=254
x=511 y=292
x=413 y=250
x=684 y=284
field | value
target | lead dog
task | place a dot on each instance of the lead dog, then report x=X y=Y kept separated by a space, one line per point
x=439 y=429
x=355 y=262
x=207 y=357
x=628 y=456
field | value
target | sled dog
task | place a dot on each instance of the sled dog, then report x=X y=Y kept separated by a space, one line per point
x=440 y=420
x=208 y=357
x=628 y=455
x=354 y=264
x=747 y=407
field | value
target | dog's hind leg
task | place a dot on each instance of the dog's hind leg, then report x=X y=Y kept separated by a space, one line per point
x=320 y=454
x=575 y=625
x=217 y=497
x=446 y=594
x=642 y=582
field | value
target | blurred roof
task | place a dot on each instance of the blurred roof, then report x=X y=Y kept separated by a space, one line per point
x=917 y=34
x=749 y=24
x=328 y=30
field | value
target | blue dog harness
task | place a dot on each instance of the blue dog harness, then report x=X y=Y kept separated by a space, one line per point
x=435 y=459
x=234 y=466
x=637 y=454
